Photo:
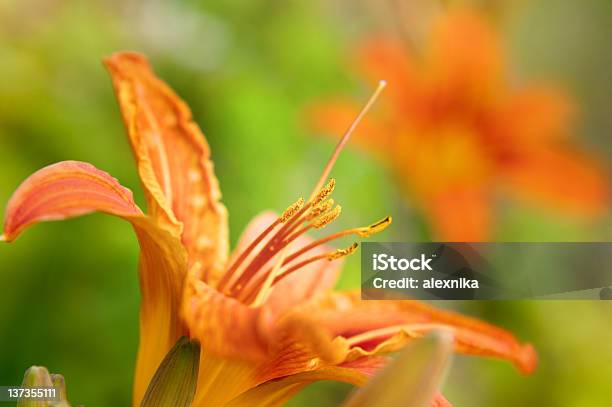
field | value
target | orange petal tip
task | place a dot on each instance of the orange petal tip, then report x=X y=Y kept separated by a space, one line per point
x=527 y=360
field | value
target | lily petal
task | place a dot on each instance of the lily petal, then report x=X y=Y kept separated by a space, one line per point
x=460 y=213
x=560 y=178
x=65 y=190
x=276 y=392
x=387 y=58
x=224 y=326
x=375 y=327
x=465 y=56
x=545 y=113
x=71 y=188
x=230 y=328
x=173 y=161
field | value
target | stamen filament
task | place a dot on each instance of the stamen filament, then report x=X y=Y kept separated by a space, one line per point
x=230 y=271
x=362 y=232
x=260 y=292
x=299 y=232
x=294 y=216
x=336 y=254
x=346 y=136
x=319 y=223
x=278 y=241
x=271 y=248
x=288 y=215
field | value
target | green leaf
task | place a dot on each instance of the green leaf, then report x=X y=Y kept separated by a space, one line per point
x=412 y=379
x=174 y=382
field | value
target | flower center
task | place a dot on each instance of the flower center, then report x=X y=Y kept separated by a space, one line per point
x=268 y=260
x=252 y=274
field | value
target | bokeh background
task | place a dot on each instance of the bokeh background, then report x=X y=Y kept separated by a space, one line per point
x=69 y=294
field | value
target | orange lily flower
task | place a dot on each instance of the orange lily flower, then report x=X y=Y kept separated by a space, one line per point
x=455 y=131
x=266 y=318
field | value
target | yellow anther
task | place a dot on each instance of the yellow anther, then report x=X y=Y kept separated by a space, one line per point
x=343 y=252
x=292 y=210
x=327 y=218
x=319 y=210
x=324 y=192
x=374 y=227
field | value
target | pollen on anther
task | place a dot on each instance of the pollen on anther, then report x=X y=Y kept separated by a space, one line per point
x=320 y=209
x=327 y=218
x=292 y=210
x=343 y=252
x=324 y=192
x=375 y=227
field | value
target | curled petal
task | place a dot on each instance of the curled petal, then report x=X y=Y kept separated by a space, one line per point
x=72 y=188
x=173 y=160
x=64 y=190
x=374 y=327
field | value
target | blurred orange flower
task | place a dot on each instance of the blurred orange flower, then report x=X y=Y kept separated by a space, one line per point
x=265 y=316
x=456 y=131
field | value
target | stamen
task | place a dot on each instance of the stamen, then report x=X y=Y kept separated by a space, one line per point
x=322 y=221
x=260 y=292
x=266 y=253
x=288 y=235
x=343 y=252
x=346 y=136
x=327 y=218
x=230 y=271
x=319 y=209
x=292 y=210
x=336 y=254
x=292 y=223
x=375 y=227
x=295 y=215
x=366 y=231
x=324 y=192
x=280 y=240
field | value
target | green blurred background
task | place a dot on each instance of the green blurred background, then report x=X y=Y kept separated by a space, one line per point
x=69 y=298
